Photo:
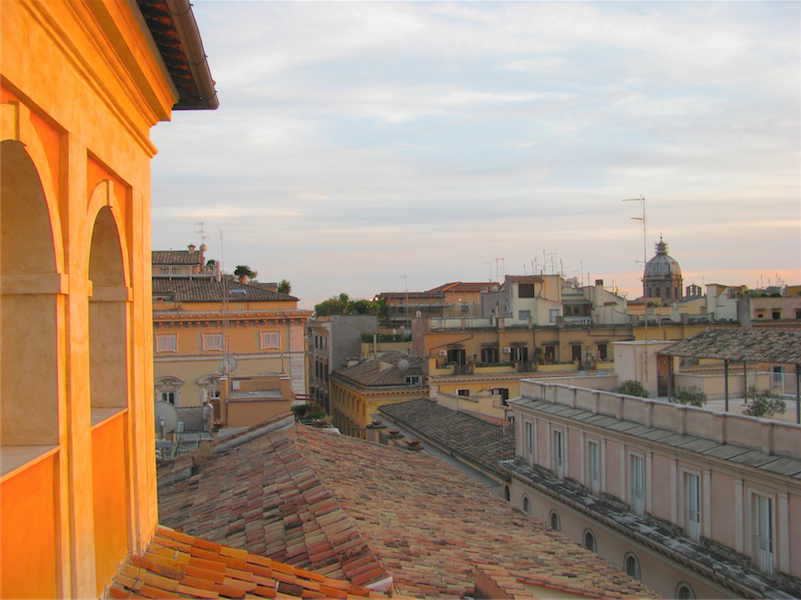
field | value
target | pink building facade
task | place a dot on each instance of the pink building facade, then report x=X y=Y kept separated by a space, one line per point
x=694 y=503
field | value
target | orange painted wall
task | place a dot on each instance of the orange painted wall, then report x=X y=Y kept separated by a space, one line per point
x=28 y=532
x=110 y=489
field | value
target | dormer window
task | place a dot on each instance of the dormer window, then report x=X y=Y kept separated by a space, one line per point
x=413 y=380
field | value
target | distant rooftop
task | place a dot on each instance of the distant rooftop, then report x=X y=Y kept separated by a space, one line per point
x=332 y=504
x=752 y=345
x=210 y=290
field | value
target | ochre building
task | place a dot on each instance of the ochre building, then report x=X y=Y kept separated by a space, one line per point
x=82 y=84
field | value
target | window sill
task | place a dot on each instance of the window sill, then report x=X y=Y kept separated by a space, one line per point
x=14 y=459
x=101 y=415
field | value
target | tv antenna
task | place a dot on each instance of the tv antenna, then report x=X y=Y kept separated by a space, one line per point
x=643 y=218
x=202 y=233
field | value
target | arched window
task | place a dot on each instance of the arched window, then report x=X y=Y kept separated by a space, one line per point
x=168 y=389
x=684 y=591
x=632 y=566
x=555 y=521
x=589 y=541
x=506 y=493
x=209 y=387
x=526 y=505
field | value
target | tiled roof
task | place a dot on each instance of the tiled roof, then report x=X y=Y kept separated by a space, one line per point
x=439 y=291
x=372 y=373
x=208 y=289
x=752 y=345
x=176 y=565
x=177 y=257
x=461 y=286
x=263 y=497
x=427 y=523
x=482 y=442
x=404 y=295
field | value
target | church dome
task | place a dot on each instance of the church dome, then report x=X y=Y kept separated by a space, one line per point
x=662 y=265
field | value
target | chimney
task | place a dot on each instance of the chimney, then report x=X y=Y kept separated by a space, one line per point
x=599 y=282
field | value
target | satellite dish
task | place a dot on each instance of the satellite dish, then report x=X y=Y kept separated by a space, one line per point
x=166 y=418
x=408 y=333
x=494 y=288
x=403 y=364
x=202 y=247
x=227 y=365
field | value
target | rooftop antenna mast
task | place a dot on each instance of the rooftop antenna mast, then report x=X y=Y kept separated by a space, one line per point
x=642 y=218
x=202 y=233
x=224 y=305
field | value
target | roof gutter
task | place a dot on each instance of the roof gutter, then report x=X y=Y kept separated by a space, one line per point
x=189 y=34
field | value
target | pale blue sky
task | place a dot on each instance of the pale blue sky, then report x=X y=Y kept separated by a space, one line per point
x=358 y=142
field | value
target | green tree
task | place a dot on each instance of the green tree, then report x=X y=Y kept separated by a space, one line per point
x=244 y=272
x=335 y=305
x=631 y=388
x=284 y=287
x=693 y=395
x=763 y=404
x=343 y=305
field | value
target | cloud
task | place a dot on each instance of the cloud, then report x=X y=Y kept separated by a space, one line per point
x=357 y=142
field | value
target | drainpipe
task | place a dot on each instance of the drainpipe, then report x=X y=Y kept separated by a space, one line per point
x=726 y=382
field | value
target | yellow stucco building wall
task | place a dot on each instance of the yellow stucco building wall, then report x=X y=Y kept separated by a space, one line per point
x=81 y=86
x=263 y=337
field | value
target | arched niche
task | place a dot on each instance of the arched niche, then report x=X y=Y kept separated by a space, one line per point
x=108 y=315
x=28 y=304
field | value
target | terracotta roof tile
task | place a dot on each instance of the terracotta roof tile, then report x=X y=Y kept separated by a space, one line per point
x=155 y=575
x=381 y=372
x=294 y=518
x=368 y=512
x=481 y=441
x=752 y=345
x=208 y=289
x=433 y=523
x=177 y=257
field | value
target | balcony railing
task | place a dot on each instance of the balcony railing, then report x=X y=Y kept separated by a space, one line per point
x=184 y=271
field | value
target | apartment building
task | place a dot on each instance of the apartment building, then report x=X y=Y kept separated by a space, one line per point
x=205 y=325
x=692 y=502
x=358 y=390
x=456 y=299
x=332 y=340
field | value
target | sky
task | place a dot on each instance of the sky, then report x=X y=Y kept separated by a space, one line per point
x=368 y=147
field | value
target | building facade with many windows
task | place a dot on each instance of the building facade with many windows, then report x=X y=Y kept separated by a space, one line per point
x=332 y=341
x=204 y=324
x=695 y=503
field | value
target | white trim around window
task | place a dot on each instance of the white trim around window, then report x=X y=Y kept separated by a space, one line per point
x=270 y=340
x=691 y=503
x=636 y=479
x=593 y=463
x=529 y=441
x=558 y=452
x=762 y=529
x=166 y=342
x=212 y=342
